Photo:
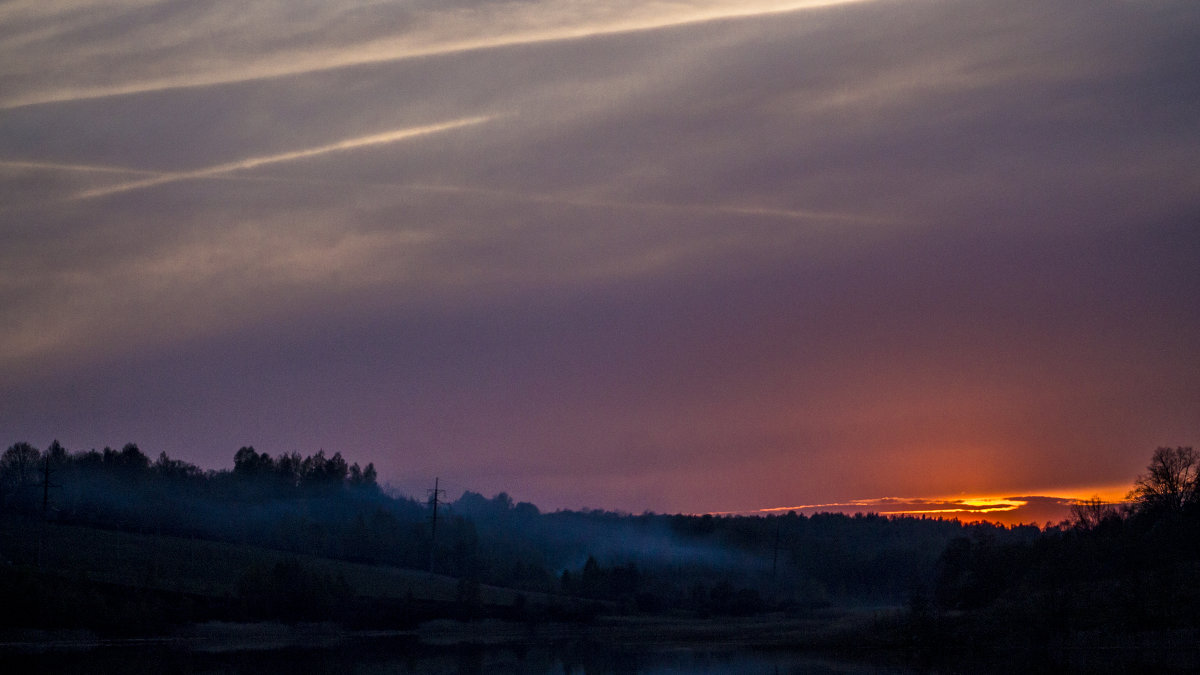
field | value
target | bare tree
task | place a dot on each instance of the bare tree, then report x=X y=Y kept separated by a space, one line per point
x=1170 y=482
x=1087 y=514
x=18 y=469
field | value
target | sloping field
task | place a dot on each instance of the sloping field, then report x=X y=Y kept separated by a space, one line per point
x=202 y=567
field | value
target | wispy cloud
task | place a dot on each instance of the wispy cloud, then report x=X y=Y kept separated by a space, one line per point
x=807 y=215
x=531 y=26
x=908 y=506
x=86 y=168
x=252 y=162
x=885 y=248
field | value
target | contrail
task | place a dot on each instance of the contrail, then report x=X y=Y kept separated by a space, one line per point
x=786 y=214
x=92 y=168
x=160 y=177
x=383 y=53
x=251 y=162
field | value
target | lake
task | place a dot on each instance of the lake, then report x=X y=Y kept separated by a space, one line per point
x=400 y=654
x=277 y=650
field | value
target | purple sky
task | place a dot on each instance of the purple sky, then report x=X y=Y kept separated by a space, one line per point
x=694 y=256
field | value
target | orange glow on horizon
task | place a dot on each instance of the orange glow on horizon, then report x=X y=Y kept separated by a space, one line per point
x=1010 y=508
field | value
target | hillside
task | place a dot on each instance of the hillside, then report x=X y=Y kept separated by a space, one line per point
x=115 y=582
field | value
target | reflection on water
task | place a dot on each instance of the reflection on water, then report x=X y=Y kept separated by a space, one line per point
x=406 y=656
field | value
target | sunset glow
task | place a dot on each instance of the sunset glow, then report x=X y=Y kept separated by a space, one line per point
x=1028 y=510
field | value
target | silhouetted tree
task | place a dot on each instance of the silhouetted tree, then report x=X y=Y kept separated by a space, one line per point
x=130 y=459
x=247 y=462
x=174 y=470
x=288 y=468
x=320 y=472
x=336 y=470
x=56 y=454
x=1170 y=481
x=1088 y=514
x=18 y=468
x=362 y=479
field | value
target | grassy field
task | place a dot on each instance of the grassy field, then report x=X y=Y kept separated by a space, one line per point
x=137 y=564
x=205 y=568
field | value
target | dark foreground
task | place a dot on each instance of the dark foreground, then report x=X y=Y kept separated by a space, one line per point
x=402 y=654
x=316 y=569
x=851 y=642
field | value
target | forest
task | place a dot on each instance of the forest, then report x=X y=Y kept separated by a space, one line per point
x=317 y=538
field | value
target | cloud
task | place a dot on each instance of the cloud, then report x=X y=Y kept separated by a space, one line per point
x=1022 y=510
x=702 y=259
x=19 y=164
x=253 y=162
x=478 y=27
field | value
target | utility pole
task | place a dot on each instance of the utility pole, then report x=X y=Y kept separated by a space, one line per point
x=775 y=559
x=775 y=555
x=433 y=502
x=46 y=485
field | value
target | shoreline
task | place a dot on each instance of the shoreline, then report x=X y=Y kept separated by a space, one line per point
x=774 y=632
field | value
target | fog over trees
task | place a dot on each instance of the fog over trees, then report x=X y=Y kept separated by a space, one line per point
x=324 y=505
x=1128 y=567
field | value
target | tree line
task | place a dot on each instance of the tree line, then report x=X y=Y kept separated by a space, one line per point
x=326 y=506
x=1111 y=573
x=1134 y=565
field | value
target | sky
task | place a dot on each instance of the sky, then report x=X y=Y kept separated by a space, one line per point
x=690 y=256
